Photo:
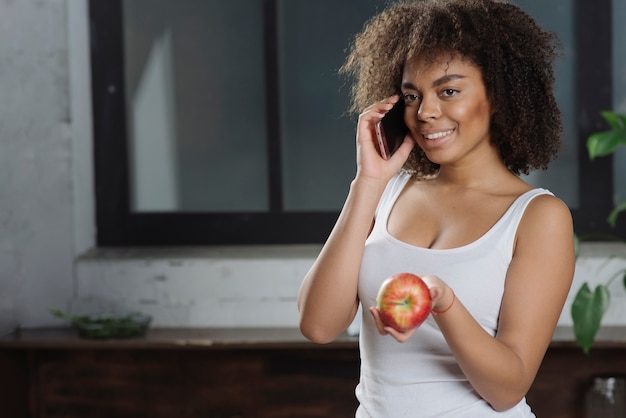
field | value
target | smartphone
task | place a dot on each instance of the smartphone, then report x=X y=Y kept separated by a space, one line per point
x=391 y=130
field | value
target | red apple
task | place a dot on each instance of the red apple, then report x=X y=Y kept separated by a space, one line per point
x=404 y=301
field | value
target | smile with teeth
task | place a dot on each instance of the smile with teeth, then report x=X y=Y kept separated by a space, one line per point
x=438 y=134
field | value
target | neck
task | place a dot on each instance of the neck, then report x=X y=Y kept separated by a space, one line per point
x=477 y=173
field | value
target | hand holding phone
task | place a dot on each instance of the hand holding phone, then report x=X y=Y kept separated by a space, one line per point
x=391 y=130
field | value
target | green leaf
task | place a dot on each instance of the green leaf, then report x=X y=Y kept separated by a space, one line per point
x=587 y=311
x=58 y=313
x=70 y=318
x=604 y=143
x=616 y=120
x=612 y=219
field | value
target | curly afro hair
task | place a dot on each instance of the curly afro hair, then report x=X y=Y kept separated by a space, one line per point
x=512 y=52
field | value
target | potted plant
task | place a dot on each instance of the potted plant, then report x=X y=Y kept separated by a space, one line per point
x=590 y=305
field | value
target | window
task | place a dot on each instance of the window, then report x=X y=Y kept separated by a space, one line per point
x=619 y=92
x=224 y=122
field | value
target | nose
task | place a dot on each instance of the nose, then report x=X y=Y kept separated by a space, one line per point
x=428 y=109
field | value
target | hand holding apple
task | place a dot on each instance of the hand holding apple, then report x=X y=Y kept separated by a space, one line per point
x=404 y=301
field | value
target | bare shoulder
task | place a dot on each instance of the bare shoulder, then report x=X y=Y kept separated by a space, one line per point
x=546 y=218
x=547 y=208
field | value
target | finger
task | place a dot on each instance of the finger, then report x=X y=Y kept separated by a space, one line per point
x=379 y=109
x=403 y=151
x=432 y=281
x=435 y=292
x=380 y=326
x=438 y=291
x=400 y=336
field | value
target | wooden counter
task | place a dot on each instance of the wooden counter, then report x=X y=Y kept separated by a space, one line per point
x=234 y=338
x=172 y=338
x=217 y=373
x=177 y=373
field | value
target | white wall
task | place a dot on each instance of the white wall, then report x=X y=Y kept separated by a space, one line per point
x=597 y=263
x=36 y=157
x=47 y=217
x=218 y=287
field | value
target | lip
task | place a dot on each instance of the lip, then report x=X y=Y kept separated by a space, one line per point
x=434 y=138
x=432 y=135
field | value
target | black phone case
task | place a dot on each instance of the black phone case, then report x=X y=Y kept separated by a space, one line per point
x=391 y=130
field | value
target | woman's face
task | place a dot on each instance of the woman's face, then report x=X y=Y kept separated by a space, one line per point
x=447 y=110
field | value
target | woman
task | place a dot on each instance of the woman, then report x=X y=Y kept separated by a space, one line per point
x=449 y=205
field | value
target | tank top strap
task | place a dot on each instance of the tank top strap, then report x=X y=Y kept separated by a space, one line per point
x=507 y=225
x=391 y=192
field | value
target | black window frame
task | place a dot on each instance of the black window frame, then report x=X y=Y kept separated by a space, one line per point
x=117 y=226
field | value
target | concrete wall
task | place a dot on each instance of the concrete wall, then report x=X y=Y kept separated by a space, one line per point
x=46 y=207
x=36 y=161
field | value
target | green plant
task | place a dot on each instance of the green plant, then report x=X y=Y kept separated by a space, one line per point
x=589 y=306
x=104 y=326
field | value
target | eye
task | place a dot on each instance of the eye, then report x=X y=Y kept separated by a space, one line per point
x=449 y=92
x=409 y=98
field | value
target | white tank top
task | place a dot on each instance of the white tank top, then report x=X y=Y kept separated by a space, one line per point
x=420 y=378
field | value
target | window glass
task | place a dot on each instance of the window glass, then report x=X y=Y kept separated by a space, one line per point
x=561 y=177
x=232 y=125
x=196 y=105
x=318 y=136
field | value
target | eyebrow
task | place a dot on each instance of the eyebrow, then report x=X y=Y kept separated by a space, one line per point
x=438 y=82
